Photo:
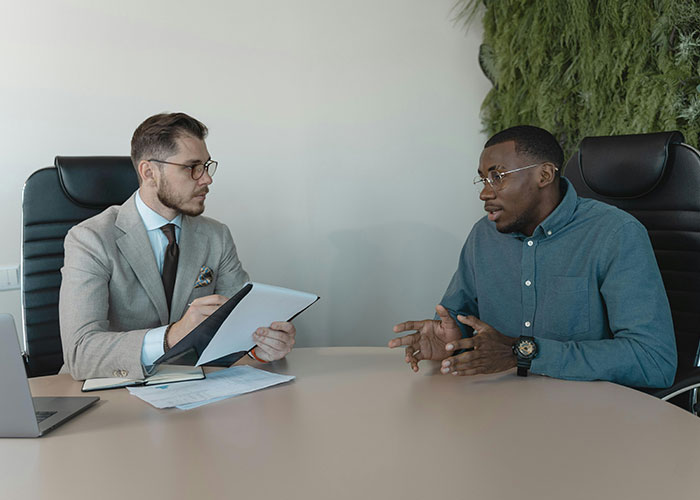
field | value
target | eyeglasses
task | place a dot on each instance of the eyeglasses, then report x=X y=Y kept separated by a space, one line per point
x=197 y=170
x=495 y=178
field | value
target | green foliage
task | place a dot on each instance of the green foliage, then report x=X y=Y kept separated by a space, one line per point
x=590 y=67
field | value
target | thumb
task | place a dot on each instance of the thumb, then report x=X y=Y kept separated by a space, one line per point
x=473 y=322
x=445 y=317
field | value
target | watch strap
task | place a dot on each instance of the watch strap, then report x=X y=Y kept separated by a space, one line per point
x=523 y=366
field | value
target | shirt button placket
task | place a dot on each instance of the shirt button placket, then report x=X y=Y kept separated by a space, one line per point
x=528 y=291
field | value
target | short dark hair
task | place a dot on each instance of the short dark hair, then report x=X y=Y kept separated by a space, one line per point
x=155 y=137
x=535 y=142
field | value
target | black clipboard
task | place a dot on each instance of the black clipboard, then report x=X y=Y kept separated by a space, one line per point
x=188 y=351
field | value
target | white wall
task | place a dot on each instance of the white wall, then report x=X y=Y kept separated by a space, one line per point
x=347 y=133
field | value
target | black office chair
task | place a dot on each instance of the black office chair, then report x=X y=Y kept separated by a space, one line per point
x=656 y=178
x=54 y=200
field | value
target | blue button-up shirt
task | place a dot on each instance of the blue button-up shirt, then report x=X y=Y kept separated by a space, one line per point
x=586 y=285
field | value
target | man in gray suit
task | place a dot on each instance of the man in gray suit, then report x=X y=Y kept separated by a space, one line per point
x=138 y=277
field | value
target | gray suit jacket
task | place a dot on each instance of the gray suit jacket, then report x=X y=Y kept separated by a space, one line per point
x=112 y=293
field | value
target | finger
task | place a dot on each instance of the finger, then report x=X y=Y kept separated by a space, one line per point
x=409 y=325
x=272 y=344
x=274 y=334
x=444 y=314
x=210 y=300
x=405 y=340
x=203 y=310
x=465 y=359
x=273 y=337
x=478 y=325
x=266 y=353
x=460 y=366
x=472 y=371
x=467 y=343
x=284 y=326
x=413 y=353
x=411 y=359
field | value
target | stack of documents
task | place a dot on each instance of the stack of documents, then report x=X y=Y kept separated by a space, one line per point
x=218 y=385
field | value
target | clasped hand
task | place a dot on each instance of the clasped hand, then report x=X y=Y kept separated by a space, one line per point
x=489 y=350
x=273 y=342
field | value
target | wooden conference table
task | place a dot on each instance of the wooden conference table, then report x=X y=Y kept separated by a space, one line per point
x=356 y=423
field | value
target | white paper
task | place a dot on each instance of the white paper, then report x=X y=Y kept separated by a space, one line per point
x=222 y=384
x=263 y=305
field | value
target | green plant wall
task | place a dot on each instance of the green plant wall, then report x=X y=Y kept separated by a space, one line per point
x=590 y=67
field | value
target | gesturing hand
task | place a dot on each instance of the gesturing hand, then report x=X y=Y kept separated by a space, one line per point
x=493 y=351
x=430 y=338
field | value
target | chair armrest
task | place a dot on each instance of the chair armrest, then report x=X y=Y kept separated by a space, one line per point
x=686 y=381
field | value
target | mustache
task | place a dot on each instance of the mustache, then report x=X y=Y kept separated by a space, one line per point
x=203 y=191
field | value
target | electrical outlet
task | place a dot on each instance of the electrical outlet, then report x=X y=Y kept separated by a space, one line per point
x=9 y=277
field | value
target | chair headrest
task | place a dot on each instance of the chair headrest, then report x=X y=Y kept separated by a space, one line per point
x=625 y=166
x=97 y=181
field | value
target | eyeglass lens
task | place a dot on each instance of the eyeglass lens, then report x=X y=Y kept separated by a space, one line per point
x=493 y=180
x=210 y=167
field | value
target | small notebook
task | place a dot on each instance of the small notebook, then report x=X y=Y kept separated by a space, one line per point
x=165 y=374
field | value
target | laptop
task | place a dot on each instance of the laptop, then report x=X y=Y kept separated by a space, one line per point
x=21 y=415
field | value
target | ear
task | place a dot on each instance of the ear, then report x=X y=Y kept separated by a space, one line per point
x=146 y=172
x=548 y=174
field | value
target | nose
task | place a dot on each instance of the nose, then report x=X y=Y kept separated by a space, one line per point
x=487 y=192
x=205 y=179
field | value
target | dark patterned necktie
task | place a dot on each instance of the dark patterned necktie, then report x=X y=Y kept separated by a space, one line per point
x=172 y=253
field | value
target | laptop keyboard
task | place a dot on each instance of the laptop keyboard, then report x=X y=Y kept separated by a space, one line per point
x=43 y=415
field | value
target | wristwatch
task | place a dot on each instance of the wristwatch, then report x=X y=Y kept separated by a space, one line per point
x=525 y=349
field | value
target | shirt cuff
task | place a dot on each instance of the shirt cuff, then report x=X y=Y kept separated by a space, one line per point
x=152 y=348
x=548 y=359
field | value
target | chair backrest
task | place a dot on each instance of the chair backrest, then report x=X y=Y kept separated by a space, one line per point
x=54 y=200
x=656 y=178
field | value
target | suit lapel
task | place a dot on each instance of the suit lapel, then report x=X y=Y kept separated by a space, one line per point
x=136 y=249
x=193 y=251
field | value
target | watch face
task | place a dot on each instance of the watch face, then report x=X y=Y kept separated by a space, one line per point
x=526 y=348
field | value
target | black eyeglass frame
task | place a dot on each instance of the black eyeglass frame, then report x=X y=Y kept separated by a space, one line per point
x=196 y=171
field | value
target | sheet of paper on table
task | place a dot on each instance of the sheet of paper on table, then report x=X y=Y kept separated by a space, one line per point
x=219 y=385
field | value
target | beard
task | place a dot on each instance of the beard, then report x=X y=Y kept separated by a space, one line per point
x=176 y=201
x=514 y=227
x=520 y=225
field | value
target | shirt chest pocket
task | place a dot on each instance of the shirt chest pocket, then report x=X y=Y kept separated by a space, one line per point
x=565 y=309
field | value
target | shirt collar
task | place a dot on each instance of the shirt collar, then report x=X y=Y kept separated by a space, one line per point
x=561 y=215
x=152 y=219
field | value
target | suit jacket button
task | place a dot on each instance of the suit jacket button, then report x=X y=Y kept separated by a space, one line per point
x=116 y=373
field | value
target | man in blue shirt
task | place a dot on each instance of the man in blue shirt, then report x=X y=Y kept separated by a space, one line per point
x=563 y=286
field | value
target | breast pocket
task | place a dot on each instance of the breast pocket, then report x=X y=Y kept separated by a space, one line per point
x=565 y=308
